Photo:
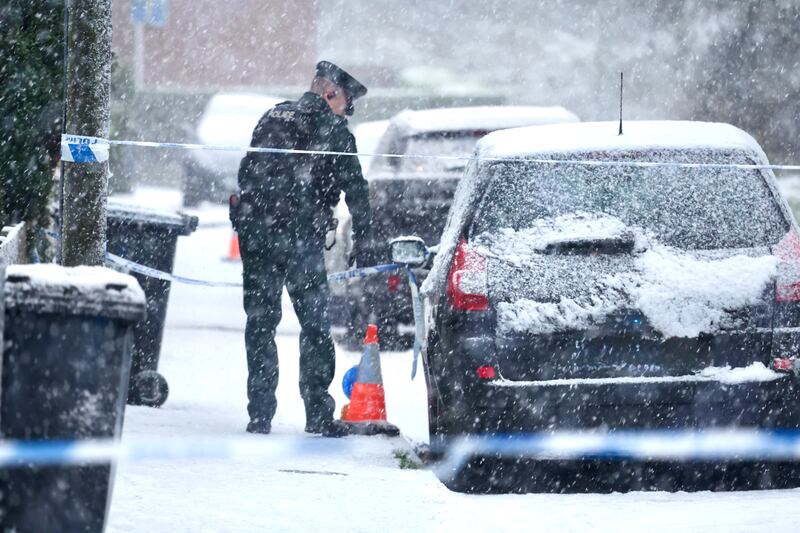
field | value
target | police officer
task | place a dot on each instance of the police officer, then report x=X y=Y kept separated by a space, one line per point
x=285 y=210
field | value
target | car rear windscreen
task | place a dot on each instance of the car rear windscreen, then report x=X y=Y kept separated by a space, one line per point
x=434 y=150
x=685 y=207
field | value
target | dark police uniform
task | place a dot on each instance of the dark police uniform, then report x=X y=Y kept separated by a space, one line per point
x=285 y=209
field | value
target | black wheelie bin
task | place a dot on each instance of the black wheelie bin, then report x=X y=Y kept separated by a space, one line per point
x=68 y=340
x=148 y=237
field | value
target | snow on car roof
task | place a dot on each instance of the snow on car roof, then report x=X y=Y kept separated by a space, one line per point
x=603 y=136
x=241 y=103
x=412 y=122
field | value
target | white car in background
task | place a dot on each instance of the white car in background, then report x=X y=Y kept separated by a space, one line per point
x=368 y=135
x=228 y=120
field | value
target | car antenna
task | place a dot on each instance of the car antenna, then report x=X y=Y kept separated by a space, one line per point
x=620 y=103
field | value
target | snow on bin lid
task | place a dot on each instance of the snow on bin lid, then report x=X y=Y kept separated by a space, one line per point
x=478 y=118
x=83 y=290
x=602 y=136
x=121 y=212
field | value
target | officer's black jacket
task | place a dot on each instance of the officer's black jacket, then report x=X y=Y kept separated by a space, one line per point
x=301 y=188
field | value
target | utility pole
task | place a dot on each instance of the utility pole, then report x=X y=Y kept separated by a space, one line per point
x=83 y=224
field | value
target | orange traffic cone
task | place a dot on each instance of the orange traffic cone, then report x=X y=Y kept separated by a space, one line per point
x=233 y=249
x=366 y=412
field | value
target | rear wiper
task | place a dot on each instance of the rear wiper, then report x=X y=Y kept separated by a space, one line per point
x=622 y=244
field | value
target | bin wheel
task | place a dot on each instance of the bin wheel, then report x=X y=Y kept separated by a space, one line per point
x=148 y=388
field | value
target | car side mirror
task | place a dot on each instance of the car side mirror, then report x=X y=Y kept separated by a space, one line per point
x=408 y=251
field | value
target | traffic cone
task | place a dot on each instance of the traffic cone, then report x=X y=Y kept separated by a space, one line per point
x=366 y=412
x=233 y=248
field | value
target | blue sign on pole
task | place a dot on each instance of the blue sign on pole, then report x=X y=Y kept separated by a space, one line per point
x=138 y=11
x=150 y=12
x=159 y=10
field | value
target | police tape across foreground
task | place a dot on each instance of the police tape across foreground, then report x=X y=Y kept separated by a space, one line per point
x=667 y=445
x=344 y=276
x=127 y=265
x=131 y=266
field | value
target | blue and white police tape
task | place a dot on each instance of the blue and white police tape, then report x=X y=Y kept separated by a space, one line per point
x=130 y=266
x=416 y=307
x=83 y=149
x=74 y=149
x=19 y=453
x=663 y=445
x=357 y=273
x=347 y=275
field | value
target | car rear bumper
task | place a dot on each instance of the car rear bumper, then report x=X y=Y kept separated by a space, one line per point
x=606 y=353
x=488 y=474
x=505 y=409
x=508 y=407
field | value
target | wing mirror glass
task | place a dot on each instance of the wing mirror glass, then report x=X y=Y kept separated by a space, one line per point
x=409 y=251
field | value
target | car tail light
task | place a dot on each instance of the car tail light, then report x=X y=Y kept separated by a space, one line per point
x=788 y=252
x=393 y=283
x=467 y=284
x=785 y=364
x=486 y=372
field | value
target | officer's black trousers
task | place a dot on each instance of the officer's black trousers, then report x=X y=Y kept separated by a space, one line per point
x=271 y=258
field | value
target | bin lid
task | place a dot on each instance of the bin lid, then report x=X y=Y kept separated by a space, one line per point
x=83 y=290
x=124 y=213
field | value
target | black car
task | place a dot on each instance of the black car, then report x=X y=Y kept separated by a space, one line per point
x=595 y=294
x=411 y=196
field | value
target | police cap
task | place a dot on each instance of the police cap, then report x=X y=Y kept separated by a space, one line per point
x=353 y=87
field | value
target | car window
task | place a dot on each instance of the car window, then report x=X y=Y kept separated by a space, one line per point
x=690 y=208
x=452 y=144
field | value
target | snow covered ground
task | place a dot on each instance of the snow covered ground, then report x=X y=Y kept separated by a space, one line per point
x=203 y=358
